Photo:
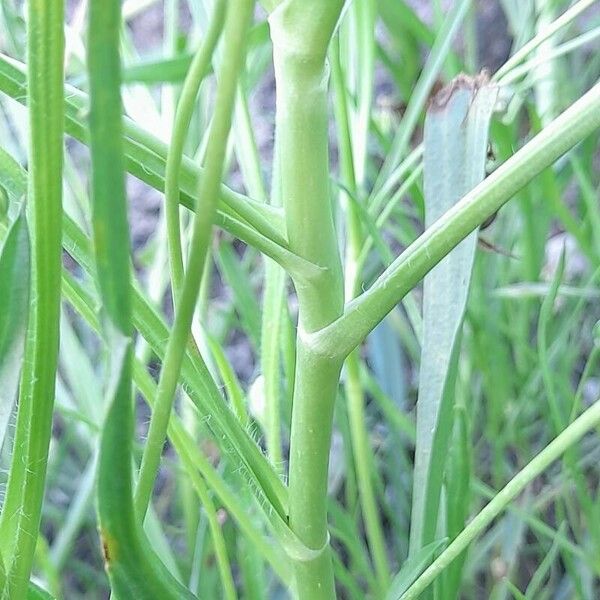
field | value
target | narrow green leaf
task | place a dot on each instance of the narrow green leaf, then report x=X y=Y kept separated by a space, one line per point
x=159 y=70
x=134 y=569
x=418 y=98
x=456 y=134
x=585 y=423
x=251 y=221
x=21 y=512
x=458 y=485
x=230 y=380
x=14 y=292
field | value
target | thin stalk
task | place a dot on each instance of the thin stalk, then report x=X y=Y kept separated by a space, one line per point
x=21 y=512
x=198 y=70
x=362 y=315
x=234 y=36
x=354 y=392
x=570 y=436
x=179 y=438
x=301 y=32
x=185 y=109
x=567 y=17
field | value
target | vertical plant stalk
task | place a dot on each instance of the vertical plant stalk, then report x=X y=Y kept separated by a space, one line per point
x=361 y=449
x=234 y=39
x=20 y=519
x=301 y=32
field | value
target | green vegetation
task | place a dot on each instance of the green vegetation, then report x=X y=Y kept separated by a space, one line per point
x=355 y=350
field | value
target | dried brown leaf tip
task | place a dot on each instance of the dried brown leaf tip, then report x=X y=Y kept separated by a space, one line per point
x=440 y=96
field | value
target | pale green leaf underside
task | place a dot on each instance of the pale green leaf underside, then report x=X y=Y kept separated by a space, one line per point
x=456 y=137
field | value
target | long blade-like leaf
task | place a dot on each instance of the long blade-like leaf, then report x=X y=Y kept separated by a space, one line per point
x=22 y=508
x=135 y=571
x=456 y=134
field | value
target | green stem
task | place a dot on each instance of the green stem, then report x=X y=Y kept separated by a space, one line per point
x=234 y=36
x=552 y=28
x=22 y=507
x=571 y=435
x=364 y=313
x=183 y=116
x=301 y=32
x=361 y=448
x=312 y=417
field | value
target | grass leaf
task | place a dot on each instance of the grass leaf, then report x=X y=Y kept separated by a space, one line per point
x=456 y=134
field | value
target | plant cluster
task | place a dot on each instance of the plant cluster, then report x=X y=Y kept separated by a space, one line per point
x=130 y=436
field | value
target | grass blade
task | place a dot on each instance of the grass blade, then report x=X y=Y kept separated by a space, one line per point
x=456 y=134
x=413 y=567
x=133 y=568
x=21 y=512
x=418 y=98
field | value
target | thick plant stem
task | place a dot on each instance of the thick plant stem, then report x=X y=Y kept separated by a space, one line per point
x=312 y=417
x=301 y=32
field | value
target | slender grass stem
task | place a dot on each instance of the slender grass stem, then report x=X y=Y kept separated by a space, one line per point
x=571 y=435
x=361 y=449
x=183 y=116
x=236 y=25
x=21 y=512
